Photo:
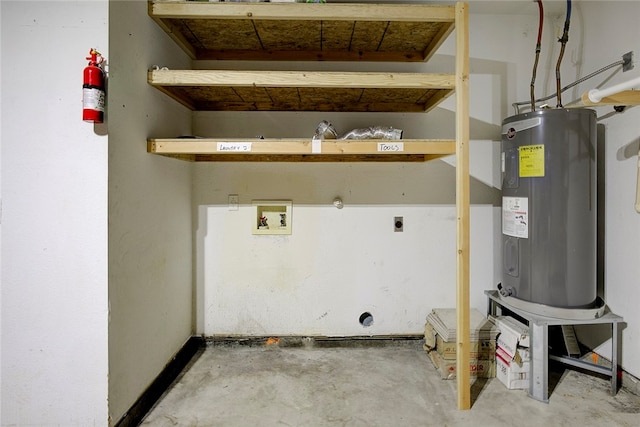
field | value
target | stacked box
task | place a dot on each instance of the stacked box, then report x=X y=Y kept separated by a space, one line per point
x=512 y=353
x=440 y=343
x=510 y=373
x=478 y=368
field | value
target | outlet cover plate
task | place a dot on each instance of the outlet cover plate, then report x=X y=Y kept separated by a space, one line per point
x=234 y=202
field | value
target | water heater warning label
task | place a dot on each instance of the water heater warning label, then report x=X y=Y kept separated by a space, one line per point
x=515 y=217
x=531 y=160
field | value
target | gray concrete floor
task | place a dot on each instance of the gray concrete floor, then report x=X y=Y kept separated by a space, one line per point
x=383 y=385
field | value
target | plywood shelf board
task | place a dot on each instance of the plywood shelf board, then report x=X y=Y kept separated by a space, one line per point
x=284 y=31
x=229 y=90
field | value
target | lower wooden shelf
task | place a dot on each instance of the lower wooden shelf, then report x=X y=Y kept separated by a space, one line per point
x=297 y=150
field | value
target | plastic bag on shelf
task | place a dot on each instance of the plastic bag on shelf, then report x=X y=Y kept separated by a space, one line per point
x=373 y=132
x=325 y=130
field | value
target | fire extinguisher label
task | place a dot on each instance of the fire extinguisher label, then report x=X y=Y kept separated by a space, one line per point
x=93 y=99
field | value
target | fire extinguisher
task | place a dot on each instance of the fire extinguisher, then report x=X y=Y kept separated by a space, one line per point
x=93 y=94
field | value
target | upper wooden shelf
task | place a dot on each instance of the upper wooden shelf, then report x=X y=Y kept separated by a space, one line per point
x=233 y=90
x=301 y=31
x=306 y=32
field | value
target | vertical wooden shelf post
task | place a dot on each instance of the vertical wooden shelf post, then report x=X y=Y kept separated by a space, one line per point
x=462 y=206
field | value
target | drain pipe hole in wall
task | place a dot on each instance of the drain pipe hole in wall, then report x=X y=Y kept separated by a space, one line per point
x=366 y=319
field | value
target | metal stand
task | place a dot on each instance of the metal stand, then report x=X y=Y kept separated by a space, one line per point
x=539 y=350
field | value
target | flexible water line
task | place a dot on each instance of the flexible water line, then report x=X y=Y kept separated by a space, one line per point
x=535 y=63
x=563 y=43
x=516 y=105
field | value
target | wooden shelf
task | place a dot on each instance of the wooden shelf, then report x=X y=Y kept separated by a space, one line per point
x=624 y=98
x=305 y=32
x=330 y=150
x=297 y=31
x=231 y=90
x=325 y=32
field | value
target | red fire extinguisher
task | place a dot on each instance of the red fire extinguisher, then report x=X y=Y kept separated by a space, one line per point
x=93 y=94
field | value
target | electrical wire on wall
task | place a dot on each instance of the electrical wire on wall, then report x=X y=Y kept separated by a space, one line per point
x=563 y=42
x=535 y=63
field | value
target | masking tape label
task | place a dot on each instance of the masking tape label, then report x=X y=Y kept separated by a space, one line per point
x=234 y=146
x=390 y=147
x=316 y=145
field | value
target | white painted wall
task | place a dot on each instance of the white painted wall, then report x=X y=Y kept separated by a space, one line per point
x=261 y=285
x=53 y=300
x=54 y=215
x=339 y=263
x=0 y=216
x=150 y=232
x=600 y=46
x=335 y=266
x=58 y=365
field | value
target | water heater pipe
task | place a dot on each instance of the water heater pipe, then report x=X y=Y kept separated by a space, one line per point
x=537 y=57
x=596 y=95
x=563 y=43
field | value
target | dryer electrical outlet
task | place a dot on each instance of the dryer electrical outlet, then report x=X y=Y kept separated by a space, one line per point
x=398 y=224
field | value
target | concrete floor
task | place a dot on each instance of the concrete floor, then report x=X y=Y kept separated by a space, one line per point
x=382 y=385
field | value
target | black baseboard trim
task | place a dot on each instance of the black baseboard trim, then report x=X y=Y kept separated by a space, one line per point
x=317 y=341
x=134 y=416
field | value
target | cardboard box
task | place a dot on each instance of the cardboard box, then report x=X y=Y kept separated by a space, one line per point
x=484 y=349
x=477 y=349
x=429 y=337
x=510 y=373
x=509 y=345
x=507 y=324
x=478 y=368
x=513 y=338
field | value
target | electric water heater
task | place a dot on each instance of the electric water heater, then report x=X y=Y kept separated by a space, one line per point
x=549 y=207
